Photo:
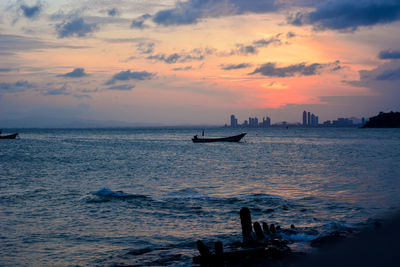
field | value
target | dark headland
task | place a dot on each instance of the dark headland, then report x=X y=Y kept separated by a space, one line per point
x=384 y=120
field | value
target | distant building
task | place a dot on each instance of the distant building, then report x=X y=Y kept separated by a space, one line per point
x=326 y=124
x=304 y=118
x=342 y=122
x=316 y=121
x=309 y=119
x=266 y=122
x=312 y=120
x=234 y=121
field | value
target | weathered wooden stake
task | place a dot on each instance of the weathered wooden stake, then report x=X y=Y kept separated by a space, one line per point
x=203 y=249
x=265 y=228
x=272 y=228
x=259 y=233
x=219 y=252
x=245 y=220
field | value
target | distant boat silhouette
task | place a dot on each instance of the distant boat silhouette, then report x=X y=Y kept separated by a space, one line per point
x=235 y=138
x=10 y=136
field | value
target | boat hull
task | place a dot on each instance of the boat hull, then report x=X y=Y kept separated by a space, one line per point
x=235 y=138
x=10 y=136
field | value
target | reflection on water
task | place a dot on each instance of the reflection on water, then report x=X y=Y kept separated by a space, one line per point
x=144 y=196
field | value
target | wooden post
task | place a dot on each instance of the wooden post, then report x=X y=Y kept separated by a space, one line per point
x=265 y=228
x=203 y=249
x=219 y=252
x=245 y=220
x=272 y=228
x=259 y=233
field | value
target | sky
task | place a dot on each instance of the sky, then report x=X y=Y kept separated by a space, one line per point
x=198 y=61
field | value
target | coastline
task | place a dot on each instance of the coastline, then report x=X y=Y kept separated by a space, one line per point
x=378 y=246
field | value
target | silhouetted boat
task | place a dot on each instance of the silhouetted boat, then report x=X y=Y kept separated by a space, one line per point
x=235 y=138
x=10 y=136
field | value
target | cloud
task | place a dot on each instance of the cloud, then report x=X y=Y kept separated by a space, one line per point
x=383 y=84
x=302 y=69
x=390 y=74
x=19 y=86
x=175 y=58
x=128 y=75
x=31 y=12
x=76 y=73
x=113 y=12
x=253 y=48
x=389 y=54
x=58 y=91
x=145 y=47
x=235 y=66
x=138 y=23
x=122 y=87
x=15 y=43
x=348 y=15
x=192 y=11
x=6 y=69
x=81 y=96
x=76 y=27
x=183 y=68
x=290 y=35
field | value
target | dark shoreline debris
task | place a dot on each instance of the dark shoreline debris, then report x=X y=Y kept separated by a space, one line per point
x=259 y=244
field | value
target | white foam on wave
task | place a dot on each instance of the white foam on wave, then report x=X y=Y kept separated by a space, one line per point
x=300 y=237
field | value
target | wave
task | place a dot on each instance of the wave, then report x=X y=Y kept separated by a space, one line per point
x=106 y=194
x=186 y=193
x=261 y=196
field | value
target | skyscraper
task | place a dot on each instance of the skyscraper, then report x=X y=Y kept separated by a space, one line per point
x=312 y=120
x=304 y=118
x=234 y=122
x=309 y=119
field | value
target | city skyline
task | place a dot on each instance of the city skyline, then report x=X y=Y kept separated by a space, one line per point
x=309 y=120
x=195 y=62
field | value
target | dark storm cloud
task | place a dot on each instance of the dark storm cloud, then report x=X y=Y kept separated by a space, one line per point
x=31 y=12
x=192 y=11
x=76 y=73
x=235 y=66
x=348 y=15
x=389 y=54
x=122 y=87
x=76 y=27
x=302 y=69
x=19 y=86
x=139 y=22
x=128 y=75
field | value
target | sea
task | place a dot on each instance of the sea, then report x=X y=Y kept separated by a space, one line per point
x=144 y=196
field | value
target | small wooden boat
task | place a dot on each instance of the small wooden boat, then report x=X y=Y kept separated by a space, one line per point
x=235 y=138
x=10 y=136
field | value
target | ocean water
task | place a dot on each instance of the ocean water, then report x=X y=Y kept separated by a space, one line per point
x=104 y=197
